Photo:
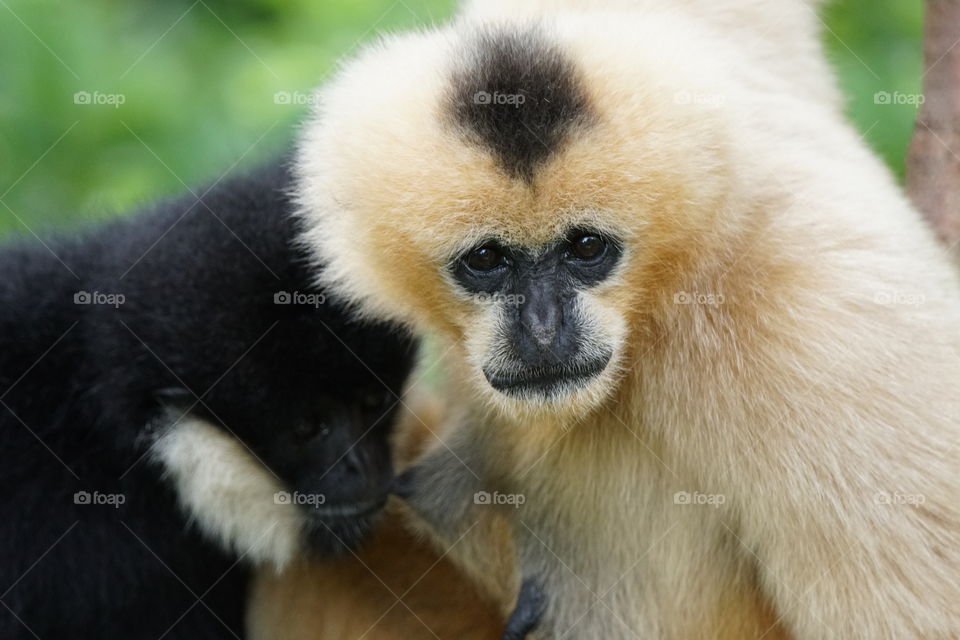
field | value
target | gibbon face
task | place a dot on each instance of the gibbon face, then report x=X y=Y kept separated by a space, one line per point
x=289 y=450
x=506 y=187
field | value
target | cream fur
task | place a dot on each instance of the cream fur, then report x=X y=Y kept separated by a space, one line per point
x=782 y=35
x=816 y=399
x=229 y=494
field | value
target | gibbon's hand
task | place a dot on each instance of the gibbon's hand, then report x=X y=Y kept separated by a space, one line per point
x=526 y=616
x=404 y=484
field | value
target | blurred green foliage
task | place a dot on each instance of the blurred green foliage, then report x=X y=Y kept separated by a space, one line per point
x=209 y=84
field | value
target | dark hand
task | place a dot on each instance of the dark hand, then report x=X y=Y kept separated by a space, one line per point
x=529 y=610
x=403 y=485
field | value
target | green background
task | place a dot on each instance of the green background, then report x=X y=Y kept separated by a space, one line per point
x=199 y=79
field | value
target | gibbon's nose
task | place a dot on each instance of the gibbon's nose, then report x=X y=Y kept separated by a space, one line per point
x=355 y=461
x=540 y=317
x=364 y=470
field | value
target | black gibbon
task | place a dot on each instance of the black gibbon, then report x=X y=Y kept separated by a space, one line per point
x=180 y=402
x=705 y=350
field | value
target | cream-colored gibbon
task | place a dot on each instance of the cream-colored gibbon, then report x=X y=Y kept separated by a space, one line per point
x=704 y=353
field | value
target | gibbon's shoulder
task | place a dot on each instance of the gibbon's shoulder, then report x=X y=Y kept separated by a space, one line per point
x=251 y=208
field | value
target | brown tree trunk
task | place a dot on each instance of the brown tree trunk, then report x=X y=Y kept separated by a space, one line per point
x=933 y=160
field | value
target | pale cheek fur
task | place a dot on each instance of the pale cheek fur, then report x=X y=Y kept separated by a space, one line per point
x=487 y=345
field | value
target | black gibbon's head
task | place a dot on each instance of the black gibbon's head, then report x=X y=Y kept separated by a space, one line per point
x=523 y=190
x=274 y=420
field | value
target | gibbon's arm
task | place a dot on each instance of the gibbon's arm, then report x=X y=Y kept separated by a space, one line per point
x=854 y=536
x=840 y=550
x=444 y=471
x=443 y=488
x=445 y=491
x=840 y=469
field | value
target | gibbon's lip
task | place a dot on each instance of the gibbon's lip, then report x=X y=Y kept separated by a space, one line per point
x=348 y=510
x=547 y=380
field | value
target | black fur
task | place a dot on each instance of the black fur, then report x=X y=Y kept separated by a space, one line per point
x=518 y=96
x=81 y=386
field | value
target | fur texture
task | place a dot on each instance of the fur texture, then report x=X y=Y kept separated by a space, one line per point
x=401 y=585
x=162 y=378
x=230 y=494
x=771 y=451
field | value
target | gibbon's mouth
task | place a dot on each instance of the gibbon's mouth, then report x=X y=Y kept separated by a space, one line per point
x=351 y=510
x=547 y=381
x=335 y=530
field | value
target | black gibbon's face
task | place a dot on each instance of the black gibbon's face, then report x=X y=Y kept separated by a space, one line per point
x=302 y=439
x=543 y=345
x=334 y=460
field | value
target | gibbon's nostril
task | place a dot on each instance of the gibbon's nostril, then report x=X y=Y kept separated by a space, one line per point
x=354 y=461
x=544 y=334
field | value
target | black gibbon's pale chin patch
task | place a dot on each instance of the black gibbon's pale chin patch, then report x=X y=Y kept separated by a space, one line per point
x=231 y=496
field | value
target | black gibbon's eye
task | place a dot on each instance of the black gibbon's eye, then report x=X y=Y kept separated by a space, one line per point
x=308 y=429
x=485 y=258
x=376 y=400
x=587 y=246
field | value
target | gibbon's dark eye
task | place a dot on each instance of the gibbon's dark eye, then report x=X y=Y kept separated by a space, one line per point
x=587 y=247
x=308 y=429
x=485 y=258
x=376 y=400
